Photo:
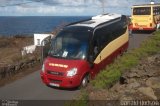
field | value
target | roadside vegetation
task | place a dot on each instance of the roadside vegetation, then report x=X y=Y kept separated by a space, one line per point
x=11 y=48
x=12 y=64
x=112 y=73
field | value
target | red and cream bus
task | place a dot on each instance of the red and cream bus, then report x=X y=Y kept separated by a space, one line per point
x=80 y=50
x=145 y=17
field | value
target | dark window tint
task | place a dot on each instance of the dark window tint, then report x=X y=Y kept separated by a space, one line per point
x=156 y=10
x=104 y=35
x=142 y=11
x=70 y=45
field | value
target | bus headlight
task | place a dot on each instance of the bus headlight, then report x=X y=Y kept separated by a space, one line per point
x=72 y=72
x=43 y=69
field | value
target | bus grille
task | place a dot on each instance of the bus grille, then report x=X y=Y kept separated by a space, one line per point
x=55 y=73
x=55 y=81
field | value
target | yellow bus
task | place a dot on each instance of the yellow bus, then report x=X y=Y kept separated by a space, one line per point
x=145 y=17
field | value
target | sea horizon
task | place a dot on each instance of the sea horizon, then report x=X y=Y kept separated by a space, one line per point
x=28 y=25
x=52 y=16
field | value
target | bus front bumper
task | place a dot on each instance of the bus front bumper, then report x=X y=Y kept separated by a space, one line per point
x=142 y=29
x=62 y=82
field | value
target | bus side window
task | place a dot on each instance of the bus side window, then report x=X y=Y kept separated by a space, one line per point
x=102 y=37
x=97 y=42
x=121 y=26
x=156 y=10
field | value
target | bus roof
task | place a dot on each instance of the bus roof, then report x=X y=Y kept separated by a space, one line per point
x=157 y=4
x=97 y=20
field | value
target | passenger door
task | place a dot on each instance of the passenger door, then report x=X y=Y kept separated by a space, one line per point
x=99 y=42
x=95 y=54
x=103 y=36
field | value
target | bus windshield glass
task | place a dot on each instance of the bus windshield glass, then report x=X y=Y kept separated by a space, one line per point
x=142 y=11
x=70 y=45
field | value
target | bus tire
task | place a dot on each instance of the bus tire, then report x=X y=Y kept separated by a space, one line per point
x=157 y=26
x=85 y=81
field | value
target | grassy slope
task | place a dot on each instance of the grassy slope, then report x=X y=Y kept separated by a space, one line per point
x=112 y=73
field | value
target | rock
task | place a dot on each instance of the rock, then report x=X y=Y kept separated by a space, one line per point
x=132 y=80
x=148 y=91
x=131 y=75
x=98 y=95
x=151 y=59
x=118 y=88
x=125 y=97
x=157 y=93
x=17 y=67
x=141 y=72
x=91 y=96
x=23 y=65
x=157 y=60
x=2 y=72
x=153 y=82
x=152 y=72
x=133 y=85
x=12 y=69
x=123 y=80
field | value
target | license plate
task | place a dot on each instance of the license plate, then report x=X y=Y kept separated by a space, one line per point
x=53 y=84
x=141 y=28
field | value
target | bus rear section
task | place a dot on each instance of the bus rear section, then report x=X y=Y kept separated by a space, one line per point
x=80 y=50
x=142 y=18
x=146 y=16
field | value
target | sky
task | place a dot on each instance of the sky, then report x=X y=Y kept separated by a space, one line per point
x=66 y=7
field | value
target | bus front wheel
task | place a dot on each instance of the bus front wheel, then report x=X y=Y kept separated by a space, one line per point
x=84 y=81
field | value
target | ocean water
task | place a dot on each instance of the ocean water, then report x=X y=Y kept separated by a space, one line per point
x=28 y=25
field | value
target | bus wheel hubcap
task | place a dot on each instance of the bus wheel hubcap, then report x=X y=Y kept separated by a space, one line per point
x=84 y=82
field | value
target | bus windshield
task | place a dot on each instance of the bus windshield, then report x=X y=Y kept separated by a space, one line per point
x=70 y=45
x=142 y=11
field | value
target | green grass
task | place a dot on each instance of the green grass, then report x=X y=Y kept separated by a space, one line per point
x=82 y=101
